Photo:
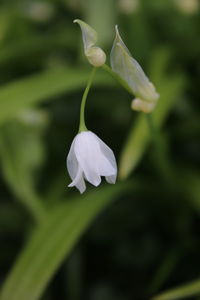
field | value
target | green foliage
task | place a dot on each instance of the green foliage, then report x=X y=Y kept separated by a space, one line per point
x=52 y=241
x=29 y=91
x=17 y=141
x=146 y=243
x=184 y=291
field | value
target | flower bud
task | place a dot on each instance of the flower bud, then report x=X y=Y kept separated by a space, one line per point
x=140 y=105
x=130 y=71
x=95 y=55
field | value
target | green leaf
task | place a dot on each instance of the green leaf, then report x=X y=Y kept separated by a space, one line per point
x=184 y=291
x=36 y=46
x=169 y=88
x=21 y=153
x=53 y=240
x=25 y=92
x=165 y=269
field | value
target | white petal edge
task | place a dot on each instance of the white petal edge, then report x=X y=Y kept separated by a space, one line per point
x=108 y=153
x=78 y=181
x=72 y=163
x=85 y=151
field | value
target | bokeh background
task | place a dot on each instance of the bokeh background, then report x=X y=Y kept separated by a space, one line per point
x=138 y=239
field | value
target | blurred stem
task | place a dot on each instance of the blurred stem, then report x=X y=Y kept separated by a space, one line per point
x=152 y=128
x=184 y=291
x=33 y=202
x=82 y=126
x=117 y=78
x=165 y=269
x=159 y=153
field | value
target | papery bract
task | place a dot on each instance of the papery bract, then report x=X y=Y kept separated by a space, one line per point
x=94 y=54
x=141 y=105
x=130 y=71
x=90 y=158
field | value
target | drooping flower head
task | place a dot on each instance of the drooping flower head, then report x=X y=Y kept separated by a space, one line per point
x=90 y=158
x=94 y=54
x=130 y=71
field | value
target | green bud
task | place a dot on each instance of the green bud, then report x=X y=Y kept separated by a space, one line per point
x=94 y=54
x=130 y=71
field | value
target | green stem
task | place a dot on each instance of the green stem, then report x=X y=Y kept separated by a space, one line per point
x=117 y=77
x=152 y=128
x=82 y=126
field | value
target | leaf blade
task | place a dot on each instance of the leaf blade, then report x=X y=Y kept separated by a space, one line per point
x=52 y=241
x=44 y=86
x=186 y=290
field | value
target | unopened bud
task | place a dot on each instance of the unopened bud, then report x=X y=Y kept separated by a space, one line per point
x=140 y=105
x=95 y=55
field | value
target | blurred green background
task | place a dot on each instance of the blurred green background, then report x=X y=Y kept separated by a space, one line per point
x=140 y=238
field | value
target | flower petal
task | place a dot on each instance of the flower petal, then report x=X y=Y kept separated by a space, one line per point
x=108 y=153
x=75 y=171
x=111 y=179
x=90 y=158
x=72 y=163
x=81 y=185
x=104 y=166
x=87 y=155
x=78 y=181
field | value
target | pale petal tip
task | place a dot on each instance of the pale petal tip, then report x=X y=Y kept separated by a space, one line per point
x=111 y=179
x=76 y=21
x=81 y=190
x=95 y=181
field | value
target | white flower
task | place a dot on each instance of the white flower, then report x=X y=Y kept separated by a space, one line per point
x=90 y=158
x=130 y=71
x=94 y=54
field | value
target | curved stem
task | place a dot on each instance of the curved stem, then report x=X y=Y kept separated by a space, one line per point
x=82 y=126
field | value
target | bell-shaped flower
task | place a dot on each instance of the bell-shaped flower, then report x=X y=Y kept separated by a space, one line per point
x=95 y=55
x=90 y=158
x=131 y=72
